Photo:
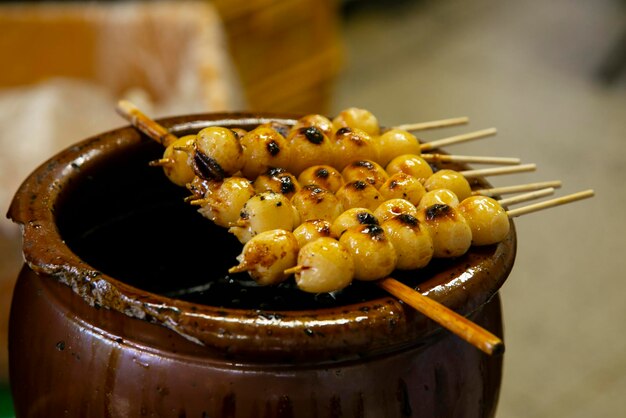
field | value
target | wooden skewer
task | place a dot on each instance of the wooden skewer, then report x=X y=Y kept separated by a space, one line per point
x=526 y=196
x=457 y=324
x=444 y=158
x=495 y=191
x=161 y=162
x=457 y=139
x=199 y=202
x=496 y=171
x=294 y=270
x=442 y=123
x=239 y=268
x=142 y=122
x=550 y=203
x=187 y=149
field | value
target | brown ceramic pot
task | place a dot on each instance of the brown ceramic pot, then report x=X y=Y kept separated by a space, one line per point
x=124 y=309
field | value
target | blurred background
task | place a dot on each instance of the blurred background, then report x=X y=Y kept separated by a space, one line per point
x=549 y=75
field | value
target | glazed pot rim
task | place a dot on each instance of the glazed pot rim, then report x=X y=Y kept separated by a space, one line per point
x=342 y=331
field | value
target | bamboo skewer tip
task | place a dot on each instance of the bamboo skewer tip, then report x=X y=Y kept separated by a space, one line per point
x=497 y=171
x=585 y=194
x=478 y=159
x=458 y=139
x=442 y=123
x=524 y=197
x=126 y=107
x=199 y=202
x=518 y=188
x=162 y=162
x=143 y=123
x=293 y=270
x=239 y=268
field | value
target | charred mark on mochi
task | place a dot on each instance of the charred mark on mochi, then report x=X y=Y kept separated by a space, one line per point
x=343 y=131
x=438 y=211
x=287 y=185
x=376 y=232
x=236 y=133
x=273 y=148
x=207 y=168
x=364 y=164
x=313 y=134
x=408 y=219
x=365 y=218
x=315 y=192
x=280 y=128
x=322 y=173
x=393 y=184
x=358 y=185
x=358 y=138
x=314 y=189
x=275 y=171
x=325 y=230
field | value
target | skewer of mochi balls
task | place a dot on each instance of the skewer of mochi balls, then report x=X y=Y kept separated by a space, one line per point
x=332 y=201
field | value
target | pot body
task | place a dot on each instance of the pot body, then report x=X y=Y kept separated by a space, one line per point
x=71 y=359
